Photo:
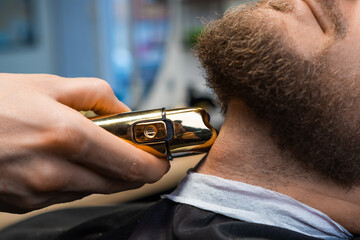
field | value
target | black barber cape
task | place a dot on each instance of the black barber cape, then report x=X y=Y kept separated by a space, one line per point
x=164 y=220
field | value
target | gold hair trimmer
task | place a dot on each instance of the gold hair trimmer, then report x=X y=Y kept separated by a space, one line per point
x=163 y=133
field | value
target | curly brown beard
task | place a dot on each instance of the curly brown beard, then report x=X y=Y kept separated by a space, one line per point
x=307 y=103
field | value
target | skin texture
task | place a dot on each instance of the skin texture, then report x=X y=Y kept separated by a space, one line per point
x=50 y=153
x=286 y=72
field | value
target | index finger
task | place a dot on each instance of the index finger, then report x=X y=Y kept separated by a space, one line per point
x=89 y=94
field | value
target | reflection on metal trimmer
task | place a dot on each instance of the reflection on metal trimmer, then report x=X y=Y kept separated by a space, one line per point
x=163 y=133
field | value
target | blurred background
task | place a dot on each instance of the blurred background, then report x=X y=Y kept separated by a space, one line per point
x=141 y=47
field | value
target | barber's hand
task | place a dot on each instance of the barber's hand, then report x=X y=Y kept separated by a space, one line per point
x=50 y=153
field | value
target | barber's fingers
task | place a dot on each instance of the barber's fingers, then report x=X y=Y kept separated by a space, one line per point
x=78 y=93
x=87 y=144
x=92 y=146
x=88 y=94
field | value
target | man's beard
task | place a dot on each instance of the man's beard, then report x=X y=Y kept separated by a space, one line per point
x=307 y=103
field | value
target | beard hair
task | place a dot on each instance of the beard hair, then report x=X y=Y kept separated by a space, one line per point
x=306 y=102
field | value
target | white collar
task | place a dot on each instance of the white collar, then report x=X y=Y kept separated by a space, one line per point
x=256 y=205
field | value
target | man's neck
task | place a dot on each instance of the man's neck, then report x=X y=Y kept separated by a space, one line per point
x=245 y=152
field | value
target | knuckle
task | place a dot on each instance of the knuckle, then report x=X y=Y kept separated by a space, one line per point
x=133 y=172
x=46 y=179
x=138 y=170
x=64 y=137
x=46 y=77
x=58 y=135
x=102 y=84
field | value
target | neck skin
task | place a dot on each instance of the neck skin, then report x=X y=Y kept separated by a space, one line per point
x=244 y=151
